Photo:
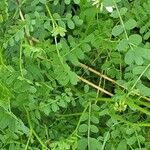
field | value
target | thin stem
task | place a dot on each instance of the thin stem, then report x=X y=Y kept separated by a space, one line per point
x=121 y=20
x=54 y=24
x=20 y=59
x=58 y=53
x=33 y=131
x=140 y=148
x=140 y=76
x=69 y=115
x=105 y=140
x=80 y=119
x=89 y=125
x=30 y=134
x=74 y=48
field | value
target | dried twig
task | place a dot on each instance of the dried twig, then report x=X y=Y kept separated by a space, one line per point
x=111 y=80
x=95 y=86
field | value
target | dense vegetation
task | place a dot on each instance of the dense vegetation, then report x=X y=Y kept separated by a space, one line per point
x=74 y=74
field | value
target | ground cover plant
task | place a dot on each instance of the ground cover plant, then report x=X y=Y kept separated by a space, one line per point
x=74 y=75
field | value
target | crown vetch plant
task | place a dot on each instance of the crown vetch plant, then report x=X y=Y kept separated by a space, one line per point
x=74 y=75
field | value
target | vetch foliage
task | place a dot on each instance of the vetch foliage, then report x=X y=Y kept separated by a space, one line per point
x=74 y=74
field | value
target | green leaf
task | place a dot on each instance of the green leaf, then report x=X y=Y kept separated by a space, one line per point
x=82 y=144
x=61 y=23
x=138 y=70
x=76 y=1
x=85 y=117
x=135 y=39
x=146 y=36
x=79 y=53
x=108 y=2
x=94 y=129
x=1 y=18
x=148 y=74
x=115 y=14
x=106 y=136
x=117 y=30
x=72 y=57
x=103 y=112
x=42 y=1
x=86 y=47
x=83 y=128
x=67 y=2
x=129 y=57
x=122 y=145
x=123 y=11
x=95 y=144
x=115 y=134
x=54 y=107
x=70 y=24
x=56 y=16
x=11 y=42
x=144 y=90
x=95 y=107
x=131 y=140
x=62 y=103
x=134 y=106
x=77 y=20
x=32 y=89
x=141 y=138
x=94 y=119
x=123 y=45
x=45 y=108
x=138 y=60
x=68 y=15
x=89 y=38
x=130 y=131
x=15 y=33
x=73 y=78
x=86 y=88
x=130 y=24
x=144 y=52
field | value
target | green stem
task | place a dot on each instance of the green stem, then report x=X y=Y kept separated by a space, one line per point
x=30 y=135
x=20 y=59
x=80 y=119
x=33 y=131
x=68 y=115
x=50 y=15
x=121 y=20
x=58 y=53
x=140 y=76
x=54 y=24
x=89 y=125
x=122 y=23
x=138 y=140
